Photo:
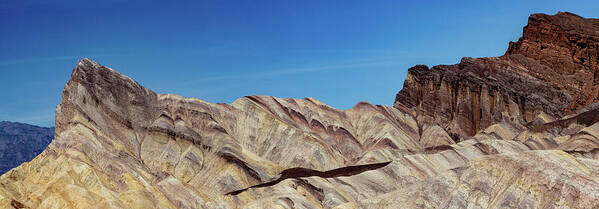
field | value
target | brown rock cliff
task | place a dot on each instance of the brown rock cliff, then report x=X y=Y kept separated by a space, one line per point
x=551 y=69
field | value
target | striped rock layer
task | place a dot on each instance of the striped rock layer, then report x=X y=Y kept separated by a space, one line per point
x=486 y=133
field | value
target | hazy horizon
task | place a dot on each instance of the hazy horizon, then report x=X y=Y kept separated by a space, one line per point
x=339 y=52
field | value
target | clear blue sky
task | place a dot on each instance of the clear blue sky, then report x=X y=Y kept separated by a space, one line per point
x=340 y=52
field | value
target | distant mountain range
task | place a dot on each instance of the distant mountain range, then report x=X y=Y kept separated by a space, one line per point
x=20 y=142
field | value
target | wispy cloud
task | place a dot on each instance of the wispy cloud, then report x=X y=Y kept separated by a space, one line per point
x=301 y=69
x=178 y=53
x=71 y=58
x=352 y=51
x=36 y=60
x=45 y=117
x=42 y=117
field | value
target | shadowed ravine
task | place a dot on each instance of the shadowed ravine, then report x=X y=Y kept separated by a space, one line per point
x=305 y=172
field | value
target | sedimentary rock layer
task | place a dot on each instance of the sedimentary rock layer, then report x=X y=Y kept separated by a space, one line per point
x=485 y=133
x=569 y=46
x=552 y=69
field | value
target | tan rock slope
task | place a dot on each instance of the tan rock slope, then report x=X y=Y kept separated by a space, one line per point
x=516 y=131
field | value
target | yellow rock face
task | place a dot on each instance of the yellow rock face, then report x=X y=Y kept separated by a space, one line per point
x=120 y=145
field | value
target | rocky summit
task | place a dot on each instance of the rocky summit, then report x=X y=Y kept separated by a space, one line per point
x=516 y=131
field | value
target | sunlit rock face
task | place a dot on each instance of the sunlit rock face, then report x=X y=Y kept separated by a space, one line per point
x=485 y=133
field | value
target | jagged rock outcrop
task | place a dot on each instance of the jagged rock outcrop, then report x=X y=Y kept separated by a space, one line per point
x=569 y=46
x=550 y=69
x=476 y=93
x=485 y=133
x=20 y=142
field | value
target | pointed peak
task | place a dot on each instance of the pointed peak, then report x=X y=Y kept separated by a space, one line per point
x=91 y=71
x=100 y=89
x=86 y=61
x=85 y=66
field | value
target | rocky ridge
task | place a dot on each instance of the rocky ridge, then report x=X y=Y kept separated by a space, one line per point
x=485 y=133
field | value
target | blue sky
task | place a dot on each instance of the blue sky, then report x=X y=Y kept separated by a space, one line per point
x=339 y=52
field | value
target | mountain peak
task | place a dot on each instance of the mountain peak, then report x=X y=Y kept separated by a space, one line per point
x=553 y=68
x=97 y=91
x=86 y=62
x=561 y=32
x=568 y=45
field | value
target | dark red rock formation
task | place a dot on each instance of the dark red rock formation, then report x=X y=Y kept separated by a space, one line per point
x=552 y=69
x=569 y=45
